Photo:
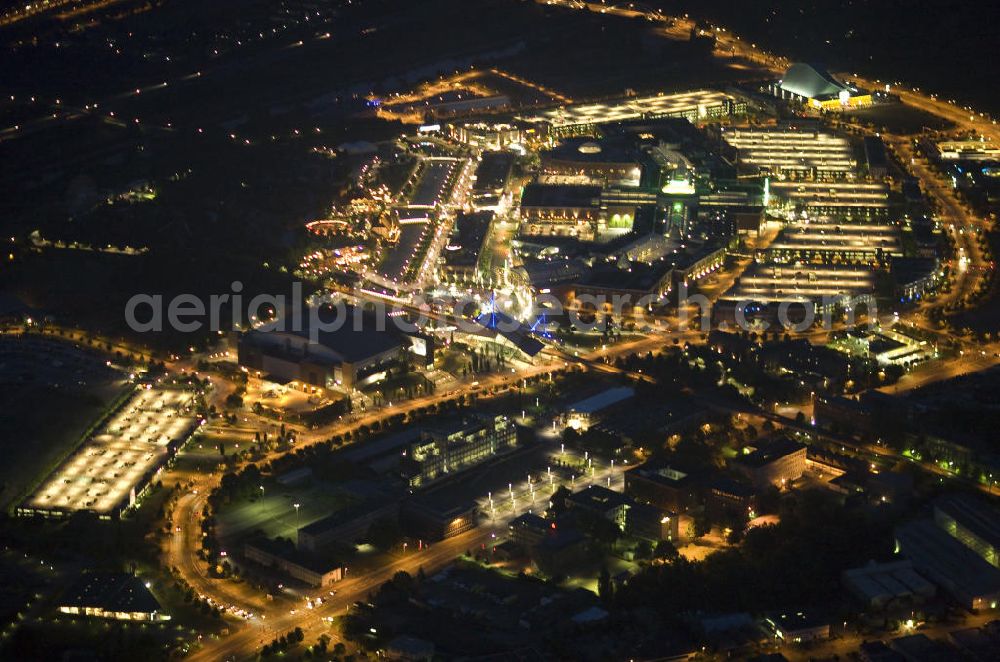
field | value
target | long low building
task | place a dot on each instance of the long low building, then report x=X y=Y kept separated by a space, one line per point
x=972 y=522
x=792 y=150
x=942 y=558
x=348 y=526
x=850 y=199
x=303 y=566
x=967 y=150
x=694 y=106
x=764 y=290
x=117 y=596
x=838 y=242
x=879 y=584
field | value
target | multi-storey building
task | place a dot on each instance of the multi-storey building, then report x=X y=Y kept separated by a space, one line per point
x=452 y=448
x=778 y=463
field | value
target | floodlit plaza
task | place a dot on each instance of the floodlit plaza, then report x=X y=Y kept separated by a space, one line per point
x=108 y=472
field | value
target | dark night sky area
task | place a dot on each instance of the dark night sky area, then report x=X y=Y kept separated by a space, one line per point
x=945 y=46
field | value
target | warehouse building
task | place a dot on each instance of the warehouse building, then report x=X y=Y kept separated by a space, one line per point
x=878 y=585
x=118 y=596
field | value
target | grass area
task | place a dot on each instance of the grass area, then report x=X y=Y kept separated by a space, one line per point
x=42 y=425
x=900 y=118
x=592 y=341
x=275 y=514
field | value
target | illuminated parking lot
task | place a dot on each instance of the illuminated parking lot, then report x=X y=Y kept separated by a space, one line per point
x=697 y=104
x=106 y=473
x=775 y=283
x=833 y=197
x=788 y=150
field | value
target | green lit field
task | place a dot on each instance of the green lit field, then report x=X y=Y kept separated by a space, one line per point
x=275 y=514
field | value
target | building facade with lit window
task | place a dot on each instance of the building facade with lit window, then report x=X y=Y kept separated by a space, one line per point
x=972 y=523
x=306 y=568
x=427 y=517
x=651 y=523
x=778 y=463
x=602 y=502
x=663 y=486
x=449 y=449
x=117 y=596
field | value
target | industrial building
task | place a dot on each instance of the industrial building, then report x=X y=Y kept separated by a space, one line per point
x=118 y=596
x=582 y=414
x=967 y=150
x=798 y=627
x=428 y=517
x=971 y=522
x=878 y=585
x=347 y=526
x=956 y=549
